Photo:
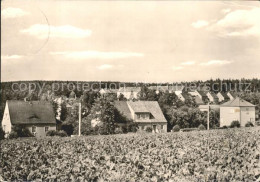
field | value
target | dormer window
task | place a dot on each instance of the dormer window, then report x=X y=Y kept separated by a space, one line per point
x=143 y=116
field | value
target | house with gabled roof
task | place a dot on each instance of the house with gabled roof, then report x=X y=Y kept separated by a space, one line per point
x=201 y=94
x=144 y=113
x=237 y=110
x=37 y=116
x=212 y=97
x=231 y=95
x=222 y=96
x=129 y=92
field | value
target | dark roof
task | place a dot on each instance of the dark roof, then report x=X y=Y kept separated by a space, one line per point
x=122 y=107
x=202 y=93
x=185 y=95
x=237 y=102
x=213 y=95
x=224 y=95
x=32 y=112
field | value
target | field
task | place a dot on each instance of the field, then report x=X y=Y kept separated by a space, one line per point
x=220 y=155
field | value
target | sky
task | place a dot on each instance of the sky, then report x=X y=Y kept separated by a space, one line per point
x=133 y=41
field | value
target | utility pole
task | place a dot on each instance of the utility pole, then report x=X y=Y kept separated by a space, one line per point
x=79 y=118
x=208 y=117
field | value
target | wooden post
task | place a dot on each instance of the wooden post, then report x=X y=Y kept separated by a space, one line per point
x=79 y=119
x=208 y=117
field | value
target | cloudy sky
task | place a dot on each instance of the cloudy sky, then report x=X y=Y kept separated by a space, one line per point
x=129 y=40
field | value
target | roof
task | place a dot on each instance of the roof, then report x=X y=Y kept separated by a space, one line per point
x=171 y=88
x=198 y=100
x=224 y=95
x=202 y=93
x=233 y=94
x=148 y=106
x=129 y=89
x=213 y=95
x=185 y=95
x=237 y=102
x=151 y=107
x=122 y=107
x=33 y=112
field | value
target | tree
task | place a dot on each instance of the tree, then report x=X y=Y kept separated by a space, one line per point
x=121 y=97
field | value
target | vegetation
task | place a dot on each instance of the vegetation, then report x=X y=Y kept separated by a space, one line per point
x=201 y=127
x=249 y=124
x=2 y=133
x=149 y=130
x=20 y=131
x=176 y=128
x=56 y=133
x=217 y=155
x=235 y=124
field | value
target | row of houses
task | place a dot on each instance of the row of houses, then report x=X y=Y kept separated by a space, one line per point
x=39 y=117
x=201 y=97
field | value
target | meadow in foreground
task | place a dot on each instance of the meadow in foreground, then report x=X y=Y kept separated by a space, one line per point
x=220 y=155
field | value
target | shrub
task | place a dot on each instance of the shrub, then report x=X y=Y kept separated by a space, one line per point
x=60 y=133
x=224 y=127
x=51 y=133
x=257 y=123
x=249 y=124
x=201 y=127
x=235 y=124
x=149 y=130
x=132 y=127
x=13 y=135
x=2 y=134
x=118 y=130
x=20 y=131
x=176 y=128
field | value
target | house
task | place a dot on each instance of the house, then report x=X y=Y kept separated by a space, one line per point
x=144 y=113
x=201 y=94
x=129 y=92
x=183 y=96
x=237 y=110
x=198 y=100
x=212 y=97
x=106 y=92
x=37 y=116
x=231 y=95
x=222 y=96
x=177 y=89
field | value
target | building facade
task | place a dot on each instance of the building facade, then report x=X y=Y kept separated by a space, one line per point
x=237 y=110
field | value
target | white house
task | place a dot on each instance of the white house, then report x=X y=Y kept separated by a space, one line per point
x=222 y=96
x=237 y=110
x=129 y=92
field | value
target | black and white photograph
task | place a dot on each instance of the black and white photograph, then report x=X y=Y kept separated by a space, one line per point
x=130 y=91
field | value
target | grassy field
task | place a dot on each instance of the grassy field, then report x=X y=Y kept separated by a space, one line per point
x=222 y=155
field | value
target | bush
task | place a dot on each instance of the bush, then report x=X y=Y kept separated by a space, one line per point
x=20 y=131
x=60 y=133
x=132 y=127
x=249 y=124
x=235 y=124
x=13 y=135
x=2 y=134
x=149 y=130
x=51 y=133
x=118 y=130
x=176 y=128
x=201 y=127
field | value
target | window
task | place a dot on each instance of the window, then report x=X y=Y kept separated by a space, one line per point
x=138 y=116
x=162 y=127
x=46 y=128
x=142 y=127
x=34 y=129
